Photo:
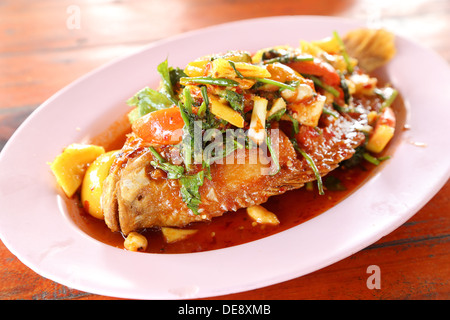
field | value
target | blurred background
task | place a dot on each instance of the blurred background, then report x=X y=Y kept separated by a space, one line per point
x=47 y=44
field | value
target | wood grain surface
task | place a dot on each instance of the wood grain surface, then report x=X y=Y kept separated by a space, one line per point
x=42 y=50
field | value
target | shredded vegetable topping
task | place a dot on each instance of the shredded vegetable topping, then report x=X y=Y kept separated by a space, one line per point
x=258 y=92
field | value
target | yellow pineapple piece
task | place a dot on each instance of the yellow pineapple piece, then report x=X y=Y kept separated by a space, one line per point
x=222 y=68
x=225 y=112
x=92 y=185
x=196 y=68
x=173 y=234
x=70 y=166
x=380 y=138
x=308 y=114
x=329 y=44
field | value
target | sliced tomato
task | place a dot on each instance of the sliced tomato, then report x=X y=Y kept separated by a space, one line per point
x=161 y=127
x=318 y=68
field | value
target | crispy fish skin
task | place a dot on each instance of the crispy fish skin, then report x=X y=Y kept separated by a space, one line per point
x=138 y=196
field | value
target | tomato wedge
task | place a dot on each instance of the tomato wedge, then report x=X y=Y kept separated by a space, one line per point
x=161 y=127
x=318 y=68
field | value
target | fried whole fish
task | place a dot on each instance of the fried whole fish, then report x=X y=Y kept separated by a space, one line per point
x=317 y=89
x=138 y=196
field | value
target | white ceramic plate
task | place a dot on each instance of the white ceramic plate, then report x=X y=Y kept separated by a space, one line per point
x=35 y=227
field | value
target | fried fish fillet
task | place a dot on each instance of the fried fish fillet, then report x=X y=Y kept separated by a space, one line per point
x=138 y=196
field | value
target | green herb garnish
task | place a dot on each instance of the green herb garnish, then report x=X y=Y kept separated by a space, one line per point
x=344 y=86
x=273 y=154
x=311 y=164
x=167 y=88
x=146 y=101
x=235 y=100
x=324 y=86
x=275 y=83
x=287 y=58
x=374 y=160
x=239 y=75
x=389 y=98
x=343 y=51
x=190 y=185
x=173 y=171
x=330 y=112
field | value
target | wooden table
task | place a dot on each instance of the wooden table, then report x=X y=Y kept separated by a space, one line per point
x=44 y=47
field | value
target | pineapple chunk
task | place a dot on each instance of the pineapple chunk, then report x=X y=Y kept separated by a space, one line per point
x=257 y=57
x=173 y=234
x=262 y=215
x=311 y=48
x=221 y=68
x=380 y=138
x=70 y=166
x=278 y=105
x=282 y=73
x=383 y=132
x=371 y=117
x=326 y=50
x=92 y=185
x=362 y=83
x=225 y=112
x=196 y=68
x=308 y=114
x=330 y=44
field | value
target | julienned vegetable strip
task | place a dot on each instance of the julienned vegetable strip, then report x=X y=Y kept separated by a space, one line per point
x=188 y=127
x=330 y=113
x=173 y=171
x=209 y=80
x=163 y=69
x=319 y=83
x=187 y=99
x=389 y=100
x=311 y=164
x=288 y=58
x=205 y=95
x=276 y=83
x=239 y=75
x=156 y=154
x=371 y=159
x=202 y=109
x=230 y=89
x=273 y=154
x=343 y=52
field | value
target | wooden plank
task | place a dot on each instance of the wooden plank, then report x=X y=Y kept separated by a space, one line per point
x=31 y=79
